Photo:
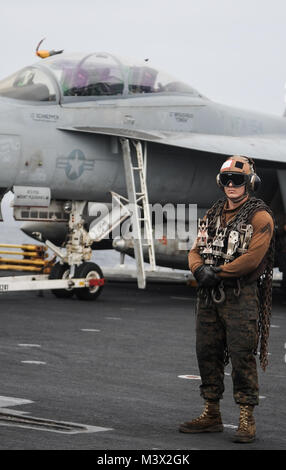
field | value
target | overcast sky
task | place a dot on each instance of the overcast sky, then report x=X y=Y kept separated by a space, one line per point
x=233 y=51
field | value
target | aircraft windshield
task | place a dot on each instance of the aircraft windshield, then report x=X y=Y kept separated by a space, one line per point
x=104 y=75
x=30 y=84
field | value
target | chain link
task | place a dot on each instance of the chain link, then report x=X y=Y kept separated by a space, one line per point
x=264 y=274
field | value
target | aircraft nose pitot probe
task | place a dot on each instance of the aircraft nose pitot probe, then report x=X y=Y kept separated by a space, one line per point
x=45 y=53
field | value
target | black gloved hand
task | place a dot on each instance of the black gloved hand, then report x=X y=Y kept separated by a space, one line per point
x=206 y=276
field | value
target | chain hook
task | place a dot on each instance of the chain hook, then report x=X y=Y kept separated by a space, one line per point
x=218 y=294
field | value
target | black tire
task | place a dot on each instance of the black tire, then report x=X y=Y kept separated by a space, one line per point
x=61 y=271
x=89 y=271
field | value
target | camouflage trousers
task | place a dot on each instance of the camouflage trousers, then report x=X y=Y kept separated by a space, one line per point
x=233 y=324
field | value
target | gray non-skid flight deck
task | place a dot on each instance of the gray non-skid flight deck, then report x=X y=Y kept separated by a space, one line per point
x=117 y=373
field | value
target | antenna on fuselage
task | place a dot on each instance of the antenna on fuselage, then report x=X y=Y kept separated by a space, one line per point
x=45 y=53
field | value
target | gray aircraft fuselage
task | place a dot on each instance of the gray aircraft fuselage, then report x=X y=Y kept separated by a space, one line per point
x=49 y=144
x=78 y=163
x=67 y=137
x=82 y=166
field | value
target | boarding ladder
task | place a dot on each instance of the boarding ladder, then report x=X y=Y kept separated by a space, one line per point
x=136 y=162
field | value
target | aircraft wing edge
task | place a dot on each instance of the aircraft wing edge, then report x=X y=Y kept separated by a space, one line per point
x=263 y=147
x=117 y=132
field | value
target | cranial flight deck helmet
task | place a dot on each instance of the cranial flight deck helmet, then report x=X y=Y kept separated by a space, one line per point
x=240 y=171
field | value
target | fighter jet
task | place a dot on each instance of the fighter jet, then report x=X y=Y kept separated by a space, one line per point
x=75 y=133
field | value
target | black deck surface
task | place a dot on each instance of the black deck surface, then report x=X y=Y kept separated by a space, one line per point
x=116 y=363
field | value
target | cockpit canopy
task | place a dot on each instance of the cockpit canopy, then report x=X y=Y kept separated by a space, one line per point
x=89 y=77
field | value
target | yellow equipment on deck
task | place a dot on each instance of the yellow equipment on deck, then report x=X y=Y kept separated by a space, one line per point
x=34 y=258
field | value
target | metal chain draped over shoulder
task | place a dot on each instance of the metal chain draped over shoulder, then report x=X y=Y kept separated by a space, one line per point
x=265 y=273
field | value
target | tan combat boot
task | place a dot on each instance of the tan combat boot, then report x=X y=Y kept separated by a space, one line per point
x=246 y=429
x=208 y=421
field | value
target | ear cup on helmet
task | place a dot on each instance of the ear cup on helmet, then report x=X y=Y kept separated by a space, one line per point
x=254 y=182
x=218 y=180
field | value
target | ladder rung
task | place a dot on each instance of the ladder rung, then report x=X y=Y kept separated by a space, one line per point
x=137 y=168
x=139 y=199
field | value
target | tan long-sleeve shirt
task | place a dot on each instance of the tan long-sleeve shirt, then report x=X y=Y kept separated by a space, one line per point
x=263 y=227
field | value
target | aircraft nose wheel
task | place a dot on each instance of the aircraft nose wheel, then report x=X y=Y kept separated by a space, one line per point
x=92 y=273
x=61 y=271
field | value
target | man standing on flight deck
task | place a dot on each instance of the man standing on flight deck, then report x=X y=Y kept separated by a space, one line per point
x=232 y=261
